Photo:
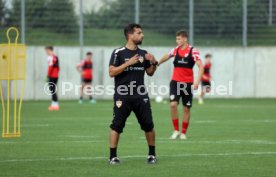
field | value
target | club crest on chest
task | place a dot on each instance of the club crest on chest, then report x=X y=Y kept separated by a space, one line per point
x=141 y=59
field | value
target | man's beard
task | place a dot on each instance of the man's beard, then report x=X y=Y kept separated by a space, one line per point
x=139 y=42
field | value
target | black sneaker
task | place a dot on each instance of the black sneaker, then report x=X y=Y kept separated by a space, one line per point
x=114 y=161
x=151 y=159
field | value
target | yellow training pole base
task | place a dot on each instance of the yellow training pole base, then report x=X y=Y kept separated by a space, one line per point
x=11 y=135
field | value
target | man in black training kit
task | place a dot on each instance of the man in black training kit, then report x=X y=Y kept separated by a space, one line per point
x=128 y=65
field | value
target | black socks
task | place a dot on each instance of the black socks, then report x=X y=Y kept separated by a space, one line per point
x=152 y=150
x=113 y=153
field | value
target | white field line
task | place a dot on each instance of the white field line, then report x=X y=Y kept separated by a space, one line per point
x=239 y=106
x=141 y=156
x=142 y=139
x=203 y=121
x=226 y=121
x=130 y=123
x=218 y=142
x=167 y=140
x=35 y=125
x=266 y=121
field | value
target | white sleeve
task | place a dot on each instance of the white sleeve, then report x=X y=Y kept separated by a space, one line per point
x=172 y=52
x=196 y=54
x=50 y=61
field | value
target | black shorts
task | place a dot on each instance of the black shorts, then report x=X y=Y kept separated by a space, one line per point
x=206 y=83
x=87 y=81
x=181 y=90
x=122 y=109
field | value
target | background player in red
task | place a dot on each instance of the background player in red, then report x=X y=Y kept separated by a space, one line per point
x=86 y=69
x=52 y=76
x=206 y=78
x=185 y=56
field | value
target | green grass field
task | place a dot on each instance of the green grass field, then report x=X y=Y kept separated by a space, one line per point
x=226 y=138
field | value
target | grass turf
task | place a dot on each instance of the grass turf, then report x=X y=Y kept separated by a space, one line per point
x=226 y=137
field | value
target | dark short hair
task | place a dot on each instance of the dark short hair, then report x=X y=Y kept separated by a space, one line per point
x=49 y=47
x=182 y=33
x=88 y=53
x=129 y=29
x=208 y=55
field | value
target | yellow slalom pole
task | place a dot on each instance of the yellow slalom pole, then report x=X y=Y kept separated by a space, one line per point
x=15 y=79
x=8 y=96
x=20 y=106
x=15 y=93
x=3 y=108
x=15 y=107
x=20 y=102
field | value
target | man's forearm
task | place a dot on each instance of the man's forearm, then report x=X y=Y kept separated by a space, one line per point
x=151 y=70
x=163 y=59
x=78 y=69
x=200 y=74
x=114 y=71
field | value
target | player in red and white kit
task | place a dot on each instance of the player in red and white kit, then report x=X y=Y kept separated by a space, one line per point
x=52 y=77
x=86 y=69
x=206 y=78
x=185 y=57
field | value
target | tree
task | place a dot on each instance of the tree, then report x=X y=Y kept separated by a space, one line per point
x=34 y=13
x=60 y=16
x=211 y=17
x=114 y=14
x=57 y=16
x=3 y=13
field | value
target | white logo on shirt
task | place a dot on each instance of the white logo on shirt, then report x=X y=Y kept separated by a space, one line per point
x=141 y=59
x=182 y=61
